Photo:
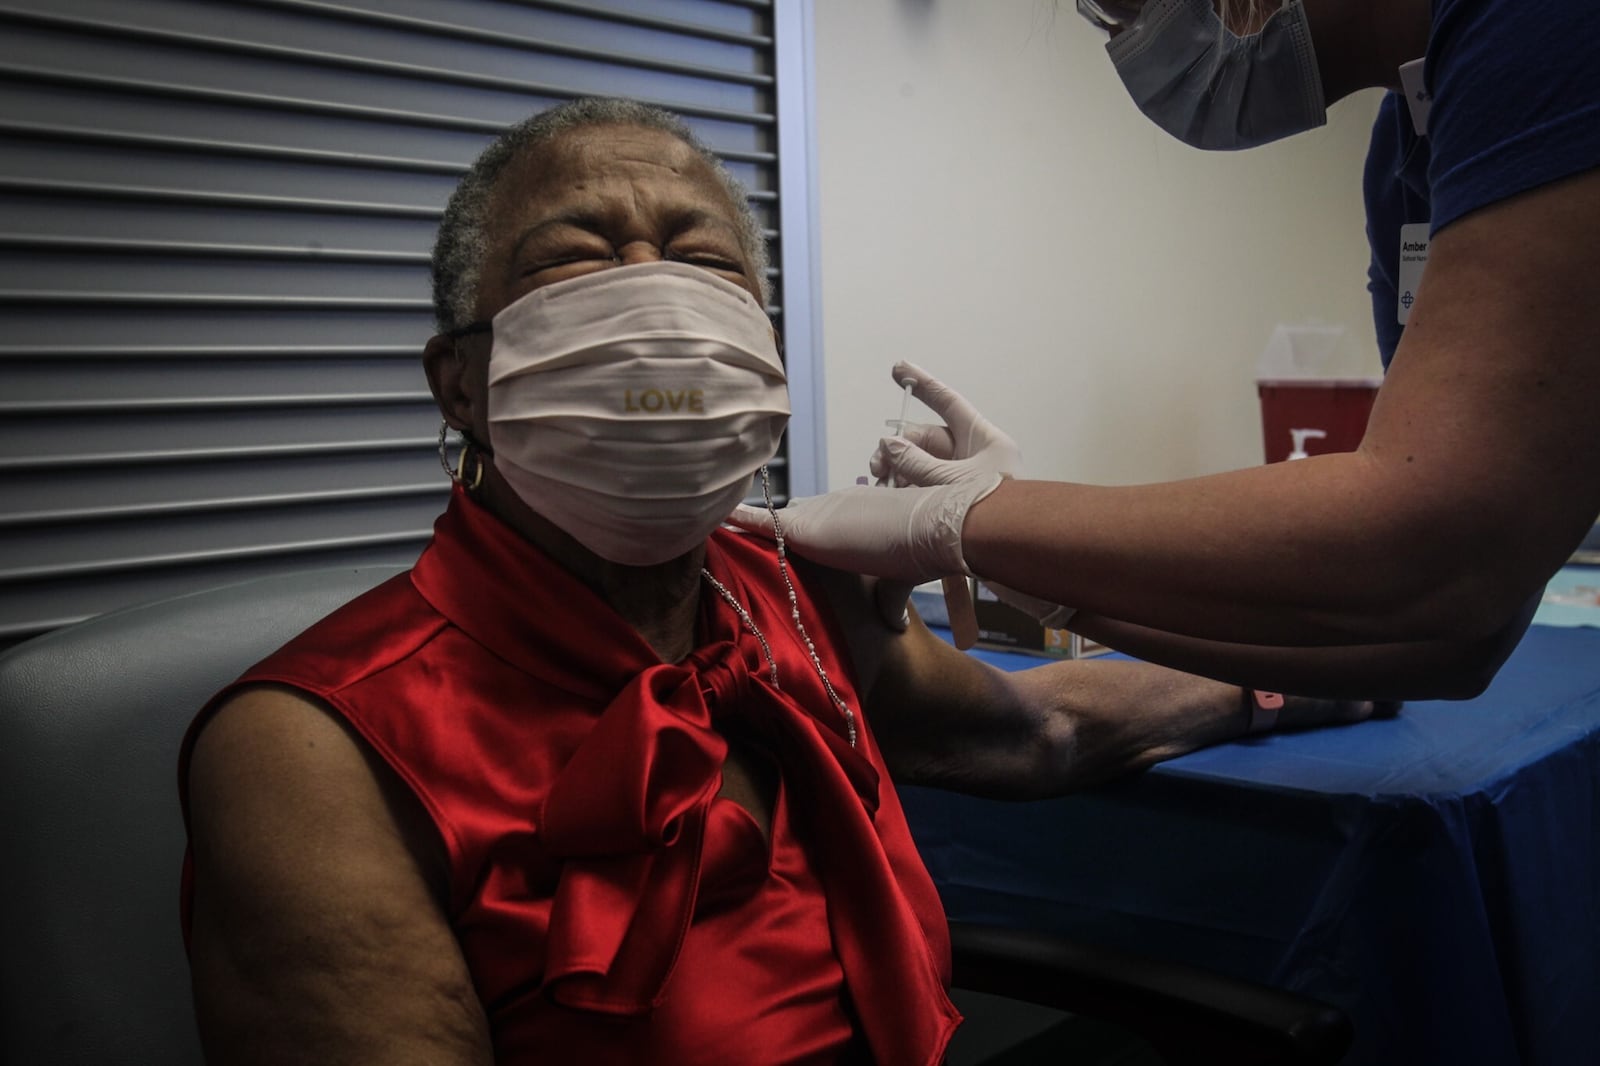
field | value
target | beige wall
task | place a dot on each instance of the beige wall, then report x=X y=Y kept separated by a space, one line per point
x=993 y=206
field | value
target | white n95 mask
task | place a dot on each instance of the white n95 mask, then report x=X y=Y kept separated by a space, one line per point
x=1210 y=88
x=631 y=406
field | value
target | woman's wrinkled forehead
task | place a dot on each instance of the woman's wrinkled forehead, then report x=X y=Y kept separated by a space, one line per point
x=636 y=163
x=599 y=192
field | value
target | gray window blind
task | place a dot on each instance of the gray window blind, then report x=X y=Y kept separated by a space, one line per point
x=215 y=218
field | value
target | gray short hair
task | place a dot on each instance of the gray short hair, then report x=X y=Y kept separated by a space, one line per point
x=463 y=241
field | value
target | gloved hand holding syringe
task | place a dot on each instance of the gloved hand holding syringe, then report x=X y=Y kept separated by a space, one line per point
x=912 y=532
x=963 y=617
x=967 y=448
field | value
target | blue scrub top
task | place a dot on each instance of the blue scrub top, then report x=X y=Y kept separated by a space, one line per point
x=1516 y=105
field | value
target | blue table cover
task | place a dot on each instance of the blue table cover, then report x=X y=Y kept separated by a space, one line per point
x=1436 y=875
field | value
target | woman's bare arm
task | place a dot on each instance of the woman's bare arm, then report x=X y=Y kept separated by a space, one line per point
x=946 y=719
x=318 y=933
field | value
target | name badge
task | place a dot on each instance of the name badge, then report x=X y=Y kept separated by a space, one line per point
x=1418 y=99
x=1413 y=258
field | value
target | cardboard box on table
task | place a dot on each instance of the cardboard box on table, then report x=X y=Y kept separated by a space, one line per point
x=1004 y=628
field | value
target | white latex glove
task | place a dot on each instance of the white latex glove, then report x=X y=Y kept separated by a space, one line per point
x=967 y=445
x=910 y=534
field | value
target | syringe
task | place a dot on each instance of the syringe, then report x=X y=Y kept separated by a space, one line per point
x=898 y=425
x=957 y=589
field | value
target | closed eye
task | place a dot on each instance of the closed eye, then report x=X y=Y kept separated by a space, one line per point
x=541 y=265
x=710 y=262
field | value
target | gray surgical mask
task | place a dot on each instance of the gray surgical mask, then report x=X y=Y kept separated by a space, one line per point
x=1210 y=88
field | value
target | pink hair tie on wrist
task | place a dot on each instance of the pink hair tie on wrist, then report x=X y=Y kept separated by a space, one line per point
x=1264 y=708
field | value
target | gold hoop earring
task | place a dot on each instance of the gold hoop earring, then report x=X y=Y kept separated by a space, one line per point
x=458 y=472
x=477 y=468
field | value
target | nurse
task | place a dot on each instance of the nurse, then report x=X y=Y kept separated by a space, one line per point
x=1406 y=569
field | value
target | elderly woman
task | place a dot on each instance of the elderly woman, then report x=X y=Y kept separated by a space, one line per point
x=597 y=780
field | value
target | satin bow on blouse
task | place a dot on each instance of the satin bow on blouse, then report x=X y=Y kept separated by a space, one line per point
x=627 y=814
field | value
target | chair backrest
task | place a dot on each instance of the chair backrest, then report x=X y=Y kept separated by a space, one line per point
x=92 y=968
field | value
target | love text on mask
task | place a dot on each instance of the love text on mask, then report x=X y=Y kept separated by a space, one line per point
x=654 y=401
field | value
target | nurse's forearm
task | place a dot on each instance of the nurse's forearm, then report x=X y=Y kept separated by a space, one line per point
x=1327 y=551
x=1478 y=474
x=1403 y=671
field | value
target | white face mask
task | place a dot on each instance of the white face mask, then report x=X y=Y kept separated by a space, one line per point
x=631 y=406
x=1207 y=87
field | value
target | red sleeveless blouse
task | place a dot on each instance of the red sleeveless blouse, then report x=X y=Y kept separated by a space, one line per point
x=610 y=907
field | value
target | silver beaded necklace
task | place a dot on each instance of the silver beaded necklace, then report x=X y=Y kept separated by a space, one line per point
x=794 y=613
